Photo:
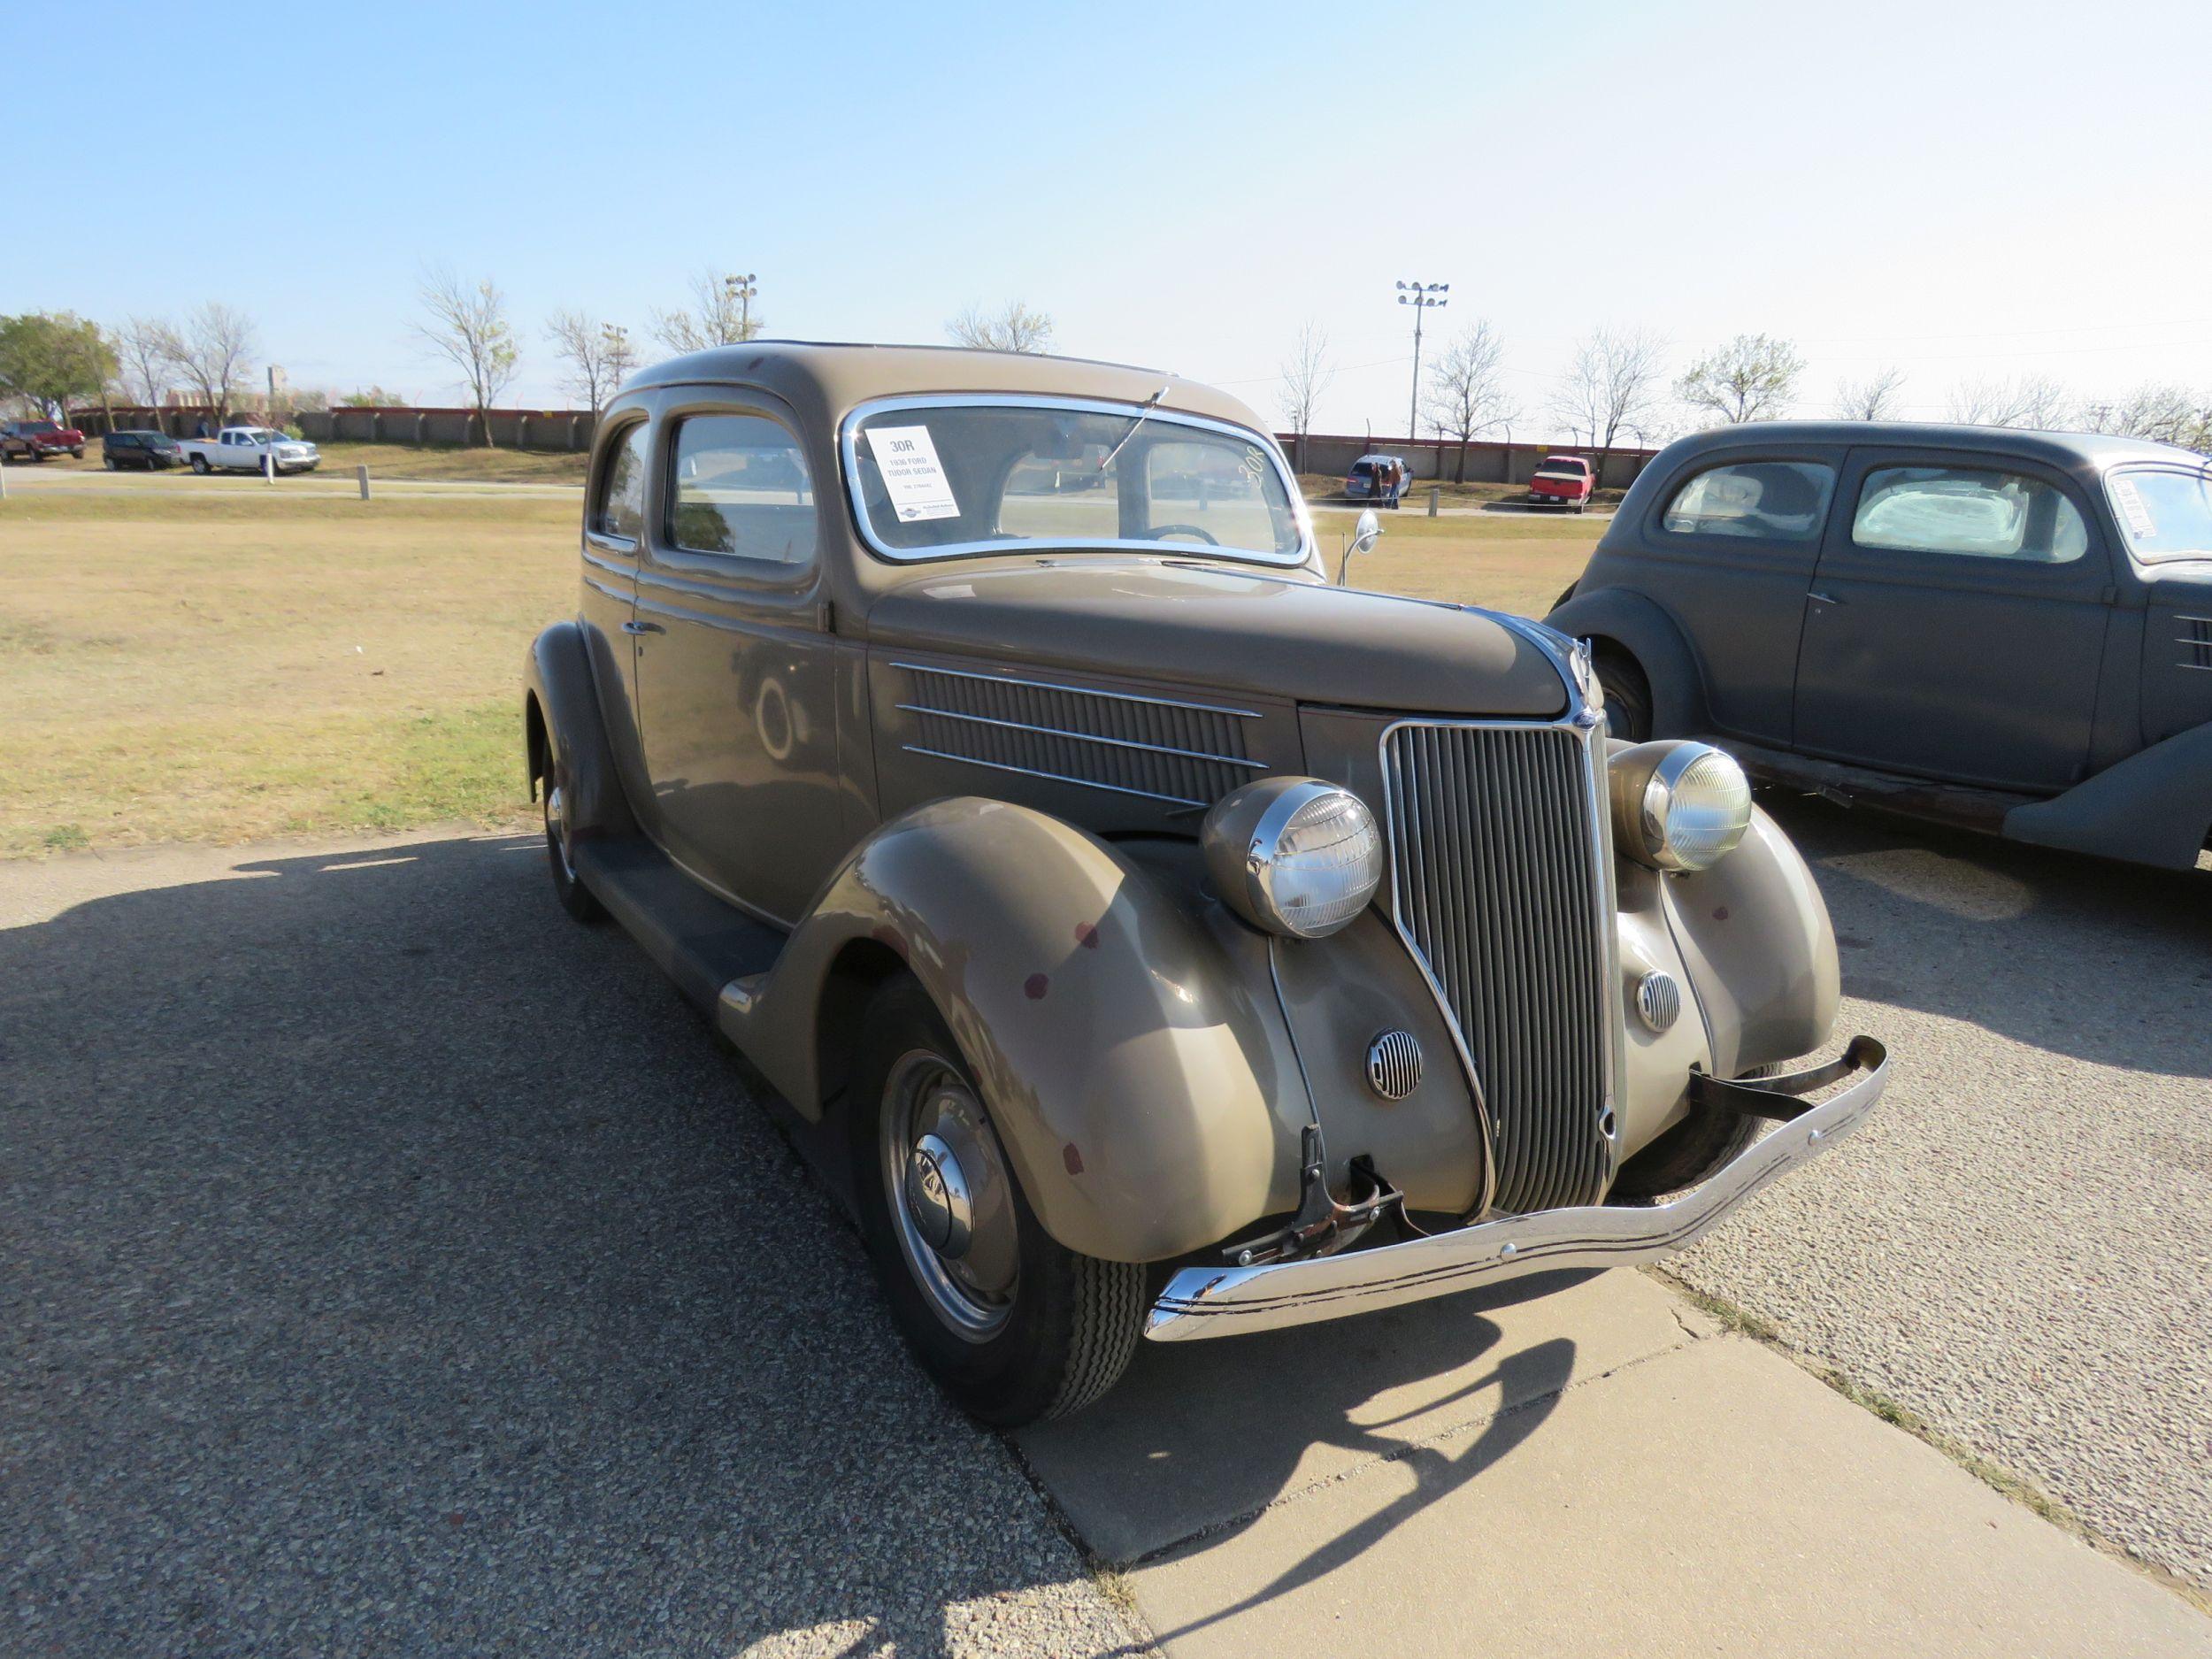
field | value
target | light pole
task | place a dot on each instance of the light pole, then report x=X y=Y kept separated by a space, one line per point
x=742 y=291
x=1421 y=297
x=614 y=353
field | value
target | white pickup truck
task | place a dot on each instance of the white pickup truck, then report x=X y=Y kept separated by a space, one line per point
x=247 y=448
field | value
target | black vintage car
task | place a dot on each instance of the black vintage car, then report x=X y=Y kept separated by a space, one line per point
x=2009 y=630
x=150 y=450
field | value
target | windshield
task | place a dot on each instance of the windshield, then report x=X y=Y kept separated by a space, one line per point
x=39 y=426
x=935 y=479
x=2164 y=514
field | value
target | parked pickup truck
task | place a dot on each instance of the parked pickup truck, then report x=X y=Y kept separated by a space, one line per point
x=36 y=439
x=242 y=449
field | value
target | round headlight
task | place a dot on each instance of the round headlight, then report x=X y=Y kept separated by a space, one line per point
x=1294 y=855
x=1678 y=806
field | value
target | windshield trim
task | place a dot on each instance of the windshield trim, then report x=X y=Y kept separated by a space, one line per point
x=849 y=447
x=2179 y=468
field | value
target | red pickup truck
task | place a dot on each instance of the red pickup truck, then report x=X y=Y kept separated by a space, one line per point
x=36 y=439
x=1564 y=479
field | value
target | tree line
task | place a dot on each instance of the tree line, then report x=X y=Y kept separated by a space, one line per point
x=1618 y=382
x=55 y=360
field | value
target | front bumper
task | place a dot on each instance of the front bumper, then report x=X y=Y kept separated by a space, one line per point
x=1207 y=1301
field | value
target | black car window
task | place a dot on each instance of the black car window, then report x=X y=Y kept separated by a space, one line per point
x=740 y=487
x=621 y=509
x=1765 y=501
x=1969 y=513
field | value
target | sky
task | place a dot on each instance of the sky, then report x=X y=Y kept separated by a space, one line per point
x=1962 y=191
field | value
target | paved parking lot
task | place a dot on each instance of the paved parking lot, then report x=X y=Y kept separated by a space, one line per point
x=394 y=1267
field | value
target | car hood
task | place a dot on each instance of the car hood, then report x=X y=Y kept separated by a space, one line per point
x=1207 y=625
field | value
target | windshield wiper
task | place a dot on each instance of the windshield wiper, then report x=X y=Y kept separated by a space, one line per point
x=1150 y=403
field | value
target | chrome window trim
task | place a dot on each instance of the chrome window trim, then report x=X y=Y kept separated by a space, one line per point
x=848 y=446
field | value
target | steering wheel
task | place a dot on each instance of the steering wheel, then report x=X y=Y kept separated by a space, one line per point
x=1161 y=532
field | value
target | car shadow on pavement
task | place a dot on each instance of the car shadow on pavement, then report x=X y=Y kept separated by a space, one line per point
x=2098 y=961
x=392 y=1265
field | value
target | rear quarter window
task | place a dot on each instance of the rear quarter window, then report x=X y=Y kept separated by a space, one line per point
x=619 y=509
x=1763 y=501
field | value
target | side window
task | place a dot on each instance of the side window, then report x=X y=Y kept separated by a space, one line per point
x=740 y=487
x=1968 y=511
x=621 y=509
x=1766 y=500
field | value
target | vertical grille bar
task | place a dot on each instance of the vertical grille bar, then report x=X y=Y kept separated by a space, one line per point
x=1495 y=881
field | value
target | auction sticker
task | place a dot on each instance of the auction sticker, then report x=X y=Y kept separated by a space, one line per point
x=908 y=461
x=2130 y=501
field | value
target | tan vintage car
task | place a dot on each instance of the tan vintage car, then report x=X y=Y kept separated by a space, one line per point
x=1147 y=935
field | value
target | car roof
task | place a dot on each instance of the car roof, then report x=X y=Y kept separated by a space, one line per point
x=828 y=379
x=2092 y=450
x=1378 y=454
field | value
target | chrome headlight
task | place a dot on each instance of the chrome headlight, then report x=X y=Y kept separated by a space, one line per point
x=1293 y=856
x=1678 y=806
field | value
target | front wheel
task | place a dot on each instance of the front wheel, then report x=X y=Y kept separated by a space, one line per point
x=1014 y=1326
x=1627 y=697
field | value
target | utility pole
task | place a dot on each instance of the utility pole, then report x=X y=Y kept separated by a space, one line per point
x=1421 y=297
x=742 y=293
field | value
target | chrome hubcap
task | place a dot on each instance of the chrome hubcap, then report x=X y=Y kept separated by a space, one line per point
x=557 y=828
x=951 y=1198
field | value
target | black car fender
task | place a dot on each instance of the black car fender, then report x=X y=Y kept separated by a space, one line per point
x=2153 y=808
x=1638 y=627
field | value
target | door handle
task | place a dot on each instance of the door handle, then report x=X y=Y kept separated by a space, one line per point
x=1826 y=599
x=636 y=627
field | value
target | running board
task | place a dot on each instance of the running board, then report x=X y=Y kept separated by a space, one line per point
x=700 y=941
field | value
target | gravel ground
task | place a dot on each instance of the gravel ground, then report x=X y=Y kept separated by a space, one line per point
x=2019 y=1244
x=394 y=1267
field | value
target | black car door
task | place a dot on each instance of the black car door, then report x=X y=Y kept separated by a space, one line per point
x=1955 y=624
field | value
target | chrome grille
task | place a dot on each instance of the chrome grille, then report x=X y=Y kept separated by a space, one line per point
x=1186 y=754
x=1496 y=882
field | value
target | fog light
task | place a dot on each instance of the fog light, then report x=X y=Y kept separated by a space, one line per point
x=1294 y=855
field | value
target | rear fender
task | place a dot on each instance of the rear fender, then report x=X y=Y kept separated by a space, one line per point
x=1637 y=625
x=1133 y=1072
x=561 y=718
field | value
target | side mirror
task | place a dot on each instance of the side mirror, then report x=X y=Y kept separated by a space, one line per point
x=1365 y=532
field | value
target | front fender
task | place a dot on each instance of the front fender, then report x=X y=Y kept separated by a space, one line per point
x=1761 y=952
x=2152 y=808
x=1134 y=1074
x=1650 y=636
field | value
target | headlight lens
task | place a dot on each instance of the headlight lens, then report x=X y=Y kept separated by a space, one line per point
x=1293 y=856
x=1678 y=806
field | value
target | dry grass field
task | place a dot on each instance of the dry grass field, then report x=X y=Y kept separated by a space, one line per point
x=238 y=664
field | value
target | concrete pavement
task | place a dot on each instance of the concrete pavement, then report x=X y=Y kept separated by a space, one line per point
x=393 y=1266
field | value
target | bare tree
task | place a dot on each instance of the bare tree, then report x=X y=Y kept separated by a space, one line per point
x=468 y=328
x=1613 y=383
x=1307 y=372
x=598 y=355
x=721 y=314
x=1871 y=398
x=1466 y=393
x=149 y=351
x=2161 y=411
x=215 y=354
x=1751 y=377
x=2034 y=401
x=1012 y=327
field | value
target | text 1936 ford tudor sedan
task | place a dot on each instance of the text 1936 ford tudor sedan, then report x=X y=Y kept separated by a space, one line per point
x=1146 y=936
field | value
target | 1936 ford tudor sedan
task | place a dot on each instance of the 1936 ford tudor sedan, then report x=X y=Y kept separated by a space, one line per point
x=1147 y=936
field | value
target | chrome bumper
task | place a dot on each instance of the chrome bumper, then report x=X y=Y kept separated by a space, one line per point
x=1207 y=1301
